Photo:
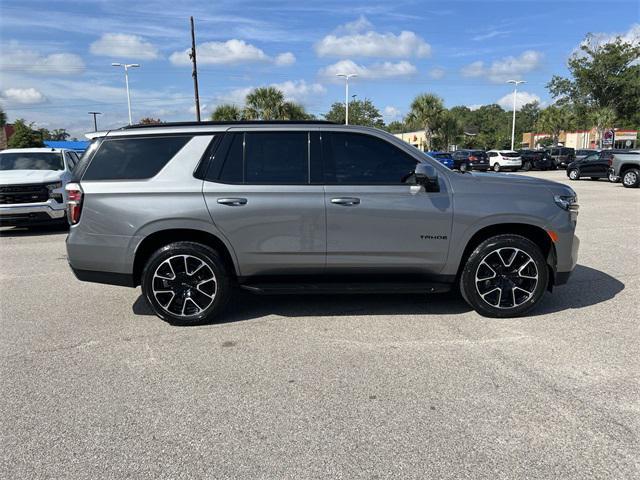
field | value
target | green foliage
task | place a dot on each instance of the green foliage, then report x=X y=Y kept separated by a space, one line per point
x=396 y=127
x=602 y=75
x=361 y=112
x=426 y=111
x=226 y=113
x=24 y=136
x=150 y=121
x=3 y=118
x=553 y=120
x=59 y=134
x=448 y=131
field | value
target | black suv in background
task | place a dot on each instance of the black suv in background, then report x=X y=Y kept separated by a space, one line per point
x=464 y=160
x=536 y=160
x=563 y=156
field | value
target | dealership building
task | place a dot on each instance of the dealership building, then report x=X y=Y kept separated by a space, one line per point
x=581 y=139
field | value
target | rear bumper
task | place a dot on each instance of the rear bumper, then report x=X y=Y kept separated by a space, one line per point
x=29 y=213
x=109 y=278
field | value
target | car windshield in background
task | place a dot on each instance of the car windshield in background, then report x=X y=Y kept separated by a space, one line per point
x=31 y=161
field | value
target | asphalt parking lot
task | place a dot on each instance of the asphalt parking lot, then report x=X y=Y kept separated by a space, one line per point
x=94 y=386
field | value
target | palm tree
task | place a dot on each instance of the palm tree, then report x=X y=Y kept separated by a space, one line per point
x=60 y=134
x=264 y=103
x=293 y=111
x=553 y=120
x=226 y=113
x=426 y=111
x=602 y=118
x=448 y=129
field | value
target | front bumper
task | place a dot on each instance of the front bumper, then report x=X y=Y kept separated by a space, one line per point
x=567 y=261
x=28 y=213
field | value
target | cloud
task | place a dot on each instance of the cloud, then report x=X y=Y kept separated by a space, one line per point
x=505 y=69
x=437 y=73
x=376 y=70
x=391 y=112
x=15 y=59
x=357 y=39
x=231 y=52
x=285 y=59
x=630 y=36
x=122 y=45
x=298 y=91
x=23 y=96
x=522 y=99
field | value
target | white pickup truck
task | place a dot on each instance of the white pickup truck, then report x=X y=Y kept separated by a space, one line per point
x=32 y=185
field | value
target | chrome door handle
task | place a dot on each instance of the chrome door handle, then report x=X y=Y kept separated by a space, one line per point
x=347 y=201
x=233 y=202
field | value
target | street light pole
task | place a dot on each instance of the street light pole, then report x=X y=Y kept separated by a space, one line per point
x=127 y=66
x=513 y=123
x=95 y=122
x=346 y=77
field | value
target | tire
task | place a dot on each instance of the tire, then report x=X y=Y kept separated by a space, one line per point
x=613 y=179
x=201 y=290
x=631 y=178
x=574 y=174
x=526 y=166
x=496 y=167
x=494 y=296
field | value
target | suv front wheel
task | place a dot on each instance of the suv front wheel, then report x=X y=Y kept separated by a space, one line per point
x=186 y=283
x=505 y=276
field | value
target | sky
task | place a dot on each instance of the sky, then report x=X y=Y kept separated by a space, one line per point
x=55 y=56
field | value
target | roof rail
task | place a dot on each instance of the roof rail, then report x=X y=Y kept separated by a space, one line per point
x=236 y=122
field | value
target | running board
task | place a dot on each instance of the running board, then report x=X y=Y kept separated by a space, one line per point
x=345 y=288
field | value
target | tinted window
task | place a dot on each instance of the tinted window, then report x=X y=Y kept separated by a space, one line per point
x=133 y=158
x=355 y=159
x=510 y=154
x=442 y=155
x=31 y=161
x=232 y=168
x=276 y=158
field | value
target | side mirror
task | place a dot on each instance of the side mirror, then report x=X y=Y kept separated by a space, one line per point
x=427 y=176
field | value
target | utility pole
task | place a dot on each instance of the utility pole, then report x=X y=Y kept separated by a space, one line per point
x=194 y=74
x=346 y=77
x=513 y=123
x=95 y=122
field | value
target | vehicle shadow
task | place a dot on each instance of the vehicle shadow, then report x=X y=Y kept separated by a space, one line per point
x=586 y=287
x=14 y=232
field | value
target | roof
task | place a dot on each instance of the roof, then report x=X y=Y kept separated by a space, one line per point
x=239 y=122
x=68 y=144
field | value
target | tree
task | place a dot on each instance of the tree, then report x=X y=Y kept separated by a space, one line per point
x=426 y=110
x=602 y=118
x=293 y=111
x=447 y=130
x=59 y=134
x=226 y=113
x=396 y=127
x=263 y=104
x=361 y=112
x=24 y=136
x=602 y=75
x=527 y=117
x=3 y=118
x=553 y=120
x=150 y=121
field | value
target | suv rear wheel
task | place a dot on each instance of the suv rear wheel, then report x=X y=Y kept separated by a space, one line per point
x=631 y=178
x=186 y=283
x=505 y=276
x=496 y=167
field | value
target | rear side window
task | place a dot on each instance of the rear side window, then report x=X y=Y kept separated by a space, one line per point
x=133 y=158
x=358 y=159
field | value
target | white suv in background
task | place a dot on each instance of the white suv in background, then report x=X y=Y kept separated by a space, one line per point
x=504 y=159
x=32 y=185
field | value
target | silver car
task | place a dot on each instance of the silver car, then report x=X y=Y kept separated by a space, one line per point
x=32 y=182
x=190 y=211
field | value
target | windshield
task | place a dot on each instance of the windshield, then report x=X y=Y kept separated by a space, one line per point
x=31 y=161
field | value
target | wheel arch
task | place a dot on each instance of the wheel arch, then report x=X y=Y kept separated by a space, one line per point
x=627 y=166
x=535 y=233
x=160 y=238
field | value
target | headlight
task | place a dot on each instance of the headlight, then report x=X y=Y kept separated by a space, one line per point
x=54 y=186
x=56 y=196
x=567 y=202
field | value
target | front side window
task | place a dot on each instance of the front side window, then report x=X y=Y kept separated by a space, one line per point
x=31 y=161
x=133 y=158
x=359 y=159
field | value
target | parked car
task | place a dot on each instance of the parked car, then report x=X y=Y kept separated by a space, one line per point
x=582 y=153
x=32 y=182
x=444 y=158
x=562 y=156
x=504 y=160
x=625 y=166
x=536 y=159
x=190 y=210
x=465 y=160
x=608 y=156
x=595 y=166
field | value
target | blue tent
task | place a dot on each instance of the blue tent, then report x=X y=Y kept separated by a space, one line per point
x=78 y=146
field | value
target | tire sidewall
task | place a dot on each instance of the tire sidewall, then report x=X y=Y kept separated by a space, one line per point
x=202 y=252
x=637 y=180
x=467 y=277
x=577 y=174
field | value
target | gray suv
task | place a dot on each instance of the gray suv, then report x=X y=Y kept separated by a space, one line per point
x=190 y=211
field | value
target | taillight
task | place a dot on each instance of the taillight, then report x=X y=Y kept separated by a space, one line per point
x=473 y=158
x=610 y=161
x=74 y=202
